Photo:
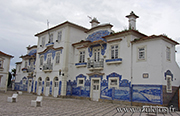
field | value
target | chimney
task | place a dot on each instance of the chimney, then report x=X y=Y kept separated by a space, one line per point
x=132 y=20
x=94 y=22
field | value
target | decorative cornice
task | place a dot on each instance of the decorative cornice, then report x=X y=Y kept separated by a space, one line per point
x=95 y=73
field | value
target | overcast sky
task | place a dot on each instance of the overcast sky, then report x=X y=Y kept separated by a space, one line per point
x=20 y=20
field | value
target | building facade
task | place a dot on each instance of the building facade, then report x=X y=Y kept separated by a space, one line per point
x=4 y=70
x=99 y=64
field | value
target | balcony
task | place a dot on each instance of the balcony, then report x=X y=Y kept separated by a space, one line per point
x=95 y=65
x=48 y=67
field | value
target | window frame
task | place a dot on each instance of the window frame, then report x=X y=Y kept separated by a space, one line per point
x=59 y=36
x=109 y=82
x=43 y=41
x=144 y=51
x=168 y=53
x=57 y=55
x=82 y=56
x=41 y=60
x=78 y=84
x=1 y=64
x=48 y=57
x=51 y=38
x=169 y=84
x=114 y=51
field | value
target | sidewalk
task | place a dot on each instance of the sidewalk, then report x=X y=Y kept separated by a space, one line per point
x=62 y=107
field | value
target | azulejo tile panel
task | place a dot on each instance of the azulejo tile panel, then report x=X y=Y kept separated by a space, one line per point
x=147 y=93
x=98 y=35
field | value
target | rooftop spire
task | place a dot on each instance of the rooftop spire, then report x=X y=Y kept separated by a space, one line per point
x=132 y=20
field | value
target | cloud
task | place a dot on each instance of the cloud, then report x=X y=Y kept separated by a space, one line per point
x=22 y=19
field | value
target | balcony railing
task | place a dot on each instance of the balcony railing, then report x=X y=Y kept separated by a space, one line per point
x=92 y=64
x=48 y=67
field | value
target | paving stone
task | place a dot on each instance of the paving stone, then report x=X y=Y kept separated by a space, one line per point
x=62 y=107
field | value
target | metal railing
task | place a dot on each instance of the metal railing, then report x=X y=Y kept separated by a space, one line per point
x=96 y=64
x=48 y=66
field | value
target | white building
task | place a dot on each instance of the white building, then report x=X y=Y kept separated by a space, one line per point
x=99 y=64
x=4 y=70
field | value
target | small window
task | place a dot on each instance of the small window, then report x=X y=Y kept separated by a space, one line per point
x=41 y=60
x=168 y=54
x=57 y=57
x=168 y=87
x=82 y=57
x=19 y=69
x=56 y=82
x=59 y=36
x=113 y=82
x=49 y=59
x=24 y=81
x=25 y=64
x=50 y=38
x=141 y=53
x=43 y=41
x=1 y=64
x=114 y=51
x=80 y=82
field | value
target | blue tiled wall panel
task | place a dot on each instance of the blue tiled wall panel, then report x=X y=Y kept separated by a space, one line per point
x=122 y=93
x=147 y=93
x=59 y=88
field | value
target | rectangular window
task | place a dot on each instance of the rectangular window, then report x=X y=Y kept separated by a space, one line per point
x=113 y=82
x=1 y=64
x=57 y=57
x=24 y=81
x=141 y=53
x=168 y=54
x=41 y=60
x=59 y=36
x=49 y=59
x=82 y=56
x=80 y=82
x=19 y=69
x=114 y=51
x=50 y=38
x=43 y=41
x=25 y=64
x=168 y=87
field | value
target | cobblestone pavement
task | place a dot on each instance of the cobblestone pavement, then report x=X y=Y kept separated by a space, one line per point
x=63 y=107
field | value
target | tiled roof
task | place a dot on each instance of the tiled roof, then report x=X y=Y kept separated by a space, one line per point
x=154 y=37
x=123 y=32
x=4 y=54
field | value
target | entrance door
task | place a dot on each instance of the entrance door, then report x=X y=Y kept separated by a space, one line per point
x=56 y=85
x=95 y=90
x=39 y=86
x=29 y=85
x=47 y=86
